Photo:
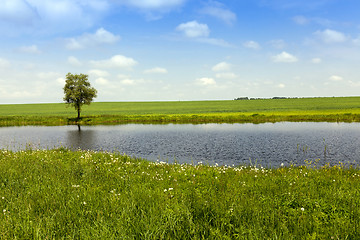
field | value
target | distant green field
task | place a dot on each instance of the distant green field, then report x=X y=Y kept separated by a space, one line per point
x=265 y=106
x=265 y=110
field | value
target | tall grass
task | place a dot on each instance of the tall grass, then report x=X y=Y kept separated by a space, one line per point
x=177 y=118
x=63 y=194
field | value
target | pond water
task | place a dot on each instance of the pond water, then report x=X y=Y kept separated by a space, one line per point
x=269 y=144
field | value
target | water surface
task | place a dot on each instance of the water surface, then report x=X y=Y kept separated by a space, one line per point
x=268 y=144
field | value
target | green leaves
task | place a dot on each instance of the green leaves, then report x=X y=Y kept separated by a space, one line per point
x=78 y=91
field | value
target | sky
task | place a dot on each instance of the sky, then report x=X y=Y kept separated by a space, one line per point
x=179 y=50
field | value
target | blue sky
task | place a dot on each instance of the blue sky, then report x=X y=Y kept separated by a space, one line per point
x=154 y=50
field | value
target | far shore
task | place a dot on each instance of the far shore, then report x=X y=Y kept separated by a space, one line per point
x=339 y=109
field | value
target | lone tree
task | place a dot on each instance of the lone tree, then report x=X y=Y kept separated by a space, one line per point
x=78 y=91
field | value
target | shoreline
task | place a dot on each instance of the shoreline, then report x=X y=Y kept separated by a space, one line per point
x=177 y=119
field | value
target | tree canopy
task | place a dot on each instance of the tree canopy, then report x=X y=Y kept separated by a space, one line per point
x=78 y=91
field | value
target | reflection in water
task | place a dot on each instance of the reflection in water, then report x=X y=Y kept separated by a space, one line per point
x=80 y=139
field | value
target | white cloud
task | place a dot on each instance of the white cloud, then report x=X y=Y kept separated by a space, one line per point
x=117 y=61
x=356 y=41
x=200 y=33
x=251 y=44
x=74 y=61
x=49 y=75
x=51 y=16
x=101 y=36
x=102 y=81
x=156 y=70
x=331 y=36
x=336 y=78
x=73 y=44
x=278 y=43
x=60 y=81
x=217 y=10
x=295 y=4
x=281 y=85
x=160 y=5
x=153 y=9
x=354 y=84
x=206 y=81
x=301 y=20
x=194 y=29
x=122 y=76
x=33 y=49
x=16 y=11
x=222 y=66
x=128 y=82
x=215 y=41
x=226 y=75
x=4 y=63
x=69 y=12
x=316 y=60
x=99 y=73
x=16 y=94
x=284 y=57
x=323 y=21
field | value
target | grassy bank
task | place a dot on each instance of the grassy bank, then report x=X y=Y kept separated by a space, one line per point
x=58 y=194
x=346 y=109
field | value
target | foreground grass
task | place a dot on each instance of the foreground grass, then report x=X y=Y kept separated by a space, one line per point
x=61 y=194
x=344 y=109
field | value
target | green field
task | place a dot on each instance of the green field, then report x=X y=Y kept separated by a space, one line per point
x=266 y=110
x=61 y=194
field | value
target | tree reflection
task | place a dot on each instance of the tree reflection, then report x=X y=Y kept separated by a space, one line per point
x=80 y=138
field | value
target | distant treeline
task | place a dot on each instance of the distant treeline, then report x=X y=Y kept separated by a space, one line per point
x=246 y=98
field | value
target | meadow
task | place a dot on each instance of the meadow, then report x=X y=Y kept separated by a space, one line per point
x=63 y=194
x=339 y=109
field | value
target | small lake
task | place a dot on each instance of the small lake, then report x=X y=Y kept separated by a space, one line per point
x=269 y=144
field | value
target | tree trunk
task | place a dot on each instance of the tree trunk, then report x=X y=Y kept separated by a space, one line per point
x=78 y=113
